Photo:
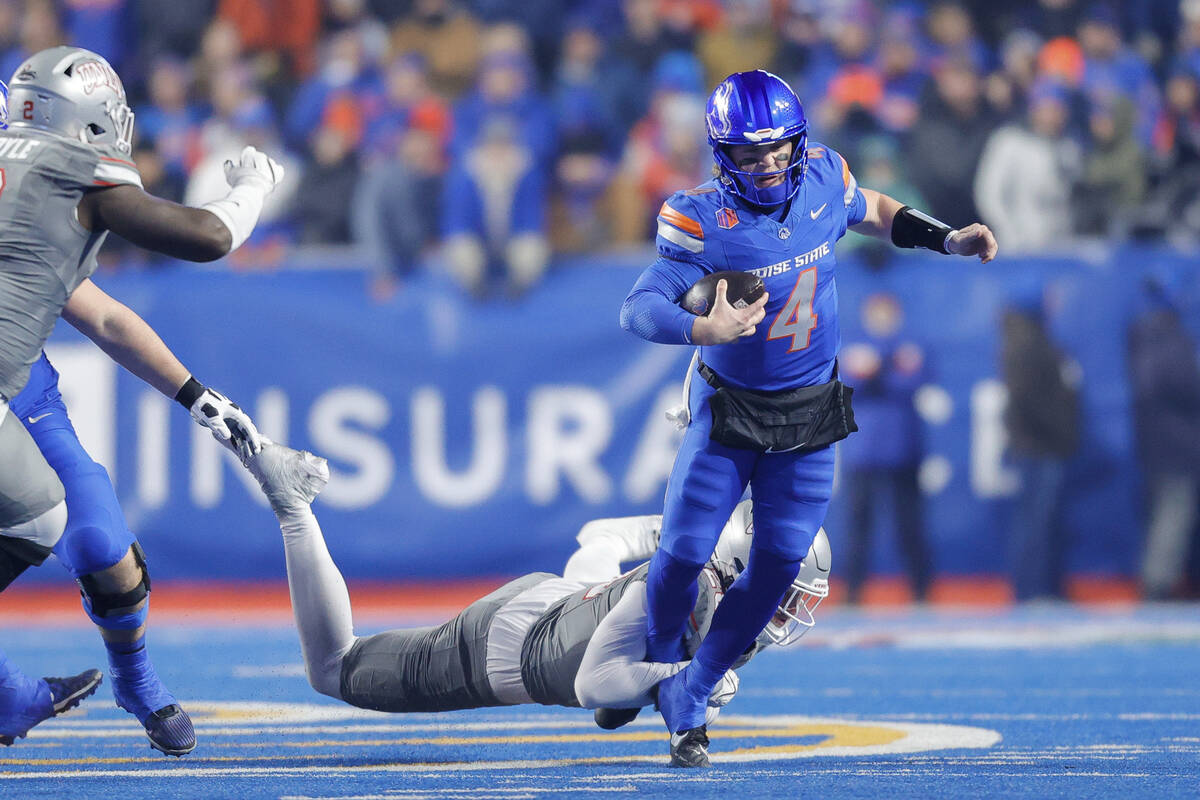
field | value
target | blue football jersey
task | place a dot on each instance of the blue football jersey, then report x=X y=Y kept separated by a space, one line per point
x=798 y=340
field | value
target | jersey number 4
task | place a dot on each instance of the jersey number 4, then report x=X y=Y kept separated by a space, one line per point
x=797 y=319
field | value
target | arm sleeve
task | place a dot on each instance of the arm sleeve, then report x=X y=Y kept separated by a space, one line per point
x=651 y=310
x=612 y=673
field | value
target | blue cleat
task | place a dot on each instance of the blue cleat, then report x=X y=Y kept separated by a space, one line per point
x=55 y=695
x=170 y=731
x=168 y=726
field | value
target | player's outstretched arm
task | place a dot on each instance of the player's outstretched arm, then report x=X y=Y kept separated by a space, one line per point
x=179 y=231
x=291 y=480
x=613 y=672
x=889 y=219
x=131 y=342
x=194 y=234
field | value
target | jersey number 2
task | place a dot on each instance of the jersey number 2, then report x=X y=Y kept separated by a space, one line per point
x=797 y=318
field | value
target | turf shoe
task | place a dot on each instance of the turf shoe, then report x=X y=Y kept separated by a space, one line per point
x=612 y=718
x=55 y=695
x=137 y=689
x=170 y=731
x=690 y=748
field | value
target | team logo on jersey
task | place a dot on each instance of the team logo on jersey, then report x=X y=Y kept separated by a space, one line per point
x=96 y=74
x=784 y=233
x=726 y=218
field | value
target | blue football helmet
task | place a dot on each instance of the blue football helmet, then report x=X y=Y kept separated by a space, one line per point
x=755 y=108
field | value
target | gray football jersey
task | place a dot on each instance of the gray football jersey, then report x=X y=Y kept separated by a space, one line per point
x=554 y=647
x=44 y=252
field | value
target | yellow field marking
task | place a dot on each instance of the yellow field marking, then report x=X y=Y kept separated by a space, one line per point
x=832 y=736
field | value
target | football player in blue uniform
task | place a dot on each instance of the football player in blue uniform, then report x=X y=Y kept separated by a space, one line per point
x=768 y=405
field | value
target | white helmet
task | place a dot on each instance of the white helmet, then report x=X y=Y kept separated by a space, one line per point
x=794 y=616
x=72 y=92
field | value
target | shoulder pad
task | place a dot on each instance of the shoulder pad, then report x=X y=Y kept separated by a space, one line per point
x=114 y=168
x=679 y=226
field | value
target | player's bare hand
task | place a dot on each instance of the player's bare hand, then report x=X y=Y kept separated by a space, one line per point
x=254 y=167
x=726 y=323
x=974 y=240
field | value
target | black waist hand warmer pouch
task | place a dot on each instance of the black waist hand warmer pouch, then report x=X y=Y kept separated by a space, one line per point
x=804 y=419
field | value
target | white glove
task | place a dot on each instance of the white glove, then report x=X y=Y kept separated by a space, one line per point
x=254 y=168
x=230 y=425
x=291 y=479
x=251 y=179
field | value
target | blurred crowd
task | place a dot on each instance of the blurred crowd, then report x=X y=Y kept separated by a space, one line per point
x=505 y=131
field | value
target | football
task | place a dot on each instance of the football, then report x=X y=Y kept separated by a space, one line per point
x=742 y=289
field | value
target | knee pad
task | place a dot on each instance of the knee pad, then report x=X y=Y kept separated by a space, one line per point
x=104 y=608
x=87 y=548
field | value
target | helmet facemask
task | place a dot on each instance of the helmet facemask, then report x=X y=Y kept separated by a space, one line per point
x=744 y=183
x=122 y=117
x=794 y=617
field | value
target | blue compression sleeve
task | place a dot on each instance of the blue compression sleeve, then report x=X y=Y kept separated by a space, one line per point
x=651 y=311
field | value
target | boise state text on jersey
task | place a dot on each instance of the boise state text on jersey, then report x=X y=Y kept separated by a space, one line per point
x=797 y=341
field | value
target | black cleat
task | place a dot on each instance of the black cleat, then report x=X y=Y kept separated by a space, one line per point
x=170 y=731
x=690 y=748
x=65 y=694
x=612 y=718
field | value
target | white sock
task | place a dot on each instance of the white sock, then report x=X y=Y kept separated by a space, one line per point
x=320 y=601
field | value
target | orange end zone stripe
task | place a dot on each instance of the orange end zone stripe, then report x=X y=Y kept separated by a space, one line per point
x=249 y=602
x=390 y=603
x=684 y=223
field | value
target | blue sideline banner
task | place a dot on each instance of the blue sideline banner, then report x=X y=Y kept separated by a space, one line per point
x=473 y=439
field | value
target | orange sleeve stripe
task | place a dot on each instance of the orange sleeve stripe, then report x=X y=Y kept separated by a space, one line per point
x=118 y=161
x=845 y=173
x=684 y=223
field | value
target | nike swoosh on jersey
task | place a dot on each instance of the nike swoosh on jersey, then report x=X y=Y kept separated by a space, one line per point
x=817 y=213
x=38 y=418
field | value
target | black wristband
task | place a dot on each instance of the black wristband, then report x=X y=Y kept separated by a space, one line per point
x=189 y=393
x=912 y=228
